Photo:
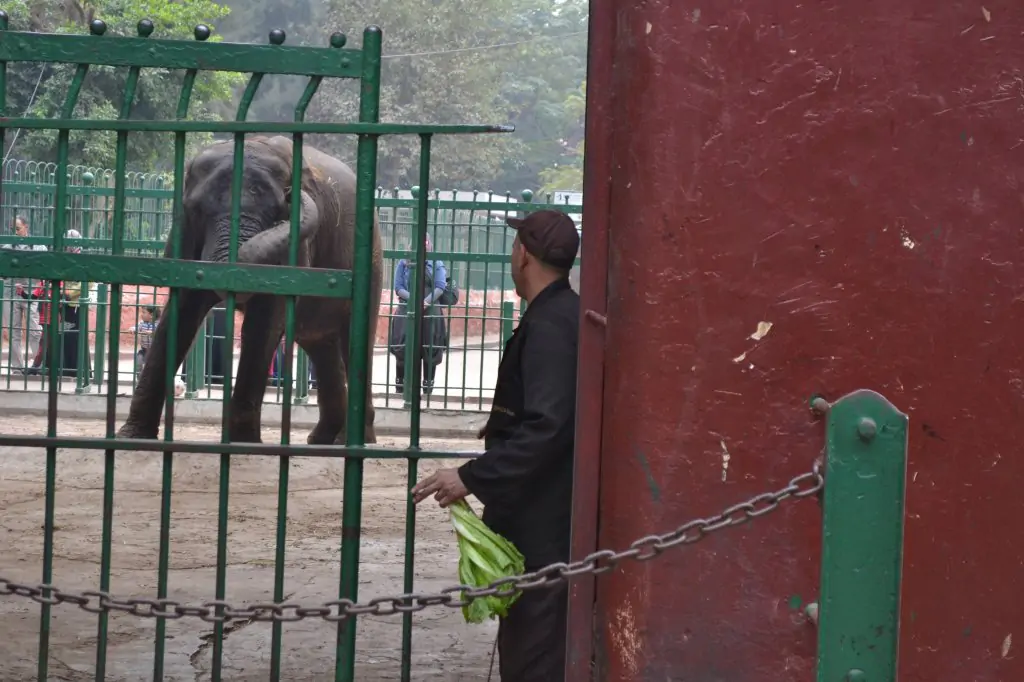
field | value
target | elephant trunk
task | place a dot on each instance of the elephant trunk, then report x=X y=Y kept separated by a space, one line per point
x=270 y=247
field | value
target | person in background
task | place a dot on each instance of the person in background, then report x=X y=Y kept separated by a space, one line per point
x=148 y=317
x=23 y=316
x=433 y=334
x=524 y=476
x=46 y=318
x=70 y=326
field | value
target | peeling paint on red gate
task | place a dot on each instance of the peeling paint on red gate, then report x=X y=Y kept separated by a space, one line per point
x=851 y=174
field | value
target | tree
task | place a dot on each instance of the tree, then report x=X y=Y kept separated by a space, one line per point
x=567 y=173
x=538 y=86
x=487 y=61
x=450 y=61
x=39 y=89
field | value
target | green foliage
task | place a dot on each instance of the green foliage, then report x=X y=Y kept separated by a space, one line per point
x=38 y=90
x=452 y=61
x=567 y=173
x=542 y=76
x=484 y=558
x=485 y=61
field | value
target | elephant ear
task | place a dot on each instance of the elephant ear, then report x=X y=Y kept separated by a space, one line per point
x=189 y=245
x=310 y=183
x=317 y=186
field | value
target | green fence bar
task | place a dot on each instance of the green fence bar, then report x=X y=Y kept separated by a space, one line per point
x=359 y=347
x=414 y=337
x=415 y=274
x=99 y=356
x=195 y=363
x=862 y=546
x=171 y=371
x=508 y=322
x=467 y=231
x=82 y=367
x=122 y=214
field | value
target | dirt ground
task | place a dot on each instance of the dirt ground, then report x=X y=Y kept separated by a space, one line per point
x=444 y=647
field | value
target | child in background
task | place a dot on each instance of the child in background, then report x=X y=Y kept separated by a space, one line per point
x=148 y=317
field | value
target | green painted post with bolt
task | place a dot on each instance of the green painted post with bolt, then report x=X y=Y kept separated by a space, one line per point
x=508 y=321
x=862 y=545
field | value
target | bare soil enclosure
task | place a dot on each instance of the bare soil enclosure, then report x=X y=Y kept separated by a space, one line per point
x=444 y=646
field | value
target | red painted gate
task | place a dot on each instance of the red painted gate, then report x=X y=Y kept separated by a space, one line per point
x=850 y=174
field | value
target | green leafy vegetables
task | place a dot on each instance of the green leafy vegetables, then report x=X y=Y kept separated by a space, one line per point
x=484 y=557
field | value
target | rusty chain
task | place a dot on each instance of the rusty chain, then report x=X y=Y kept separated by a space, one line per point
x=602 y=561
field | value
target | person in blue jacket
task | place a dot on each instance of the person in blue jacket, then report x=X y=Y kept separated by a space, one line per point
x=433 y=335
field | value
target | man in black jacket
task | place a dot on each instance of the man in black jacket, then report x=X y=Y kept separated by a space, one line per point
x=524 y=477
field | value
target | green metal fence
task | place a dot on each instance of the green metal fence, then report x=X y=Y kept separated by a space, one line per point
x=467 y=231
x=866 y=437
x=117 y=265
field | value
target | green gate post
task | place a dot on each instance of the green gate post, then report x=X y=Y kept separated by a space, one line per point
x=410 y=351
x=158 y=229
x=99 y=362
x=195 y=364
x=97 y=377
x=82 y=367
x=508 y=313
x=35 y=201
x=410 y=309
x=302 y=378
x=862 y=546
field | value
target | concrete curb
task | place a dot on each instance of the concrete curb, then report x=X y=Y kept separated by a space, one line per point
x=389 y=421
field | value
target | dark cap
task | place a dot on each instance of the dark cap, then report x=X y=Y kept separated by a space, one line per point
x=550 y=236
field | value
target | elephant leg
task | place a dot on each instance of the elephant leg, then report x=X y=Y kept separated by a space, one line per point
x=369 y=435
x=262 y=328
x=332 y=394
x=144 y=414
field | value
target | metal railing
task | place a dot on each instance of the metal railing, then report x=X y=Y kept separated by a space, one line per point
x=466 y=229
x=859 y=481
x=861 y=478
x=277 y=289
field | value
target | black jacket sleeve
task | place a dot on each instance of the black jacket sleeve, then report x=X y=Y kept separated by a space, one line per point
x=502 y=473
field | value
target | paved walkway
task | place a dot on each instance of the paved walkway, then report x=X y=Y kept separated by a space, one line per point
x=464 y=381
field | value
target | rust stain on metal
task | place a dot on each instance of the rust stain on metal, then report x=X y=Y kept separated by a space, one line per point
x=626 y=640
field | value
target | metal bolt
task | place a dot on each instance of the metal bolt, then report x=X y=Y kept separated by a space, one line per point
x=331 y=281
x=856 y=675
x=866 y=428
x=199 y=274
x=811 y=611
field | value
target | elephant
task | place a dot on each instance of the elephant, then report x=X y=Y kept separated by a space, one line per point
x=327 y=240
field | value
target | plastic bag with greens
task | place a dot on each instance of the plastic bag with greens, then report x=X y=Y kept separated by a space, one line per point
x=484 y=557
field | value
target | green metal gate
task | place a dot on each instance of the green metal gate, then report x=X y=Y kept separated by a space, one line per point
x=144 y=52
x=865 y=450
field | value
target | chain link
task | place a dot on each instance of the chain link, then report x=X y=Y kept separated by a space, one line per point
x=597 y=563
